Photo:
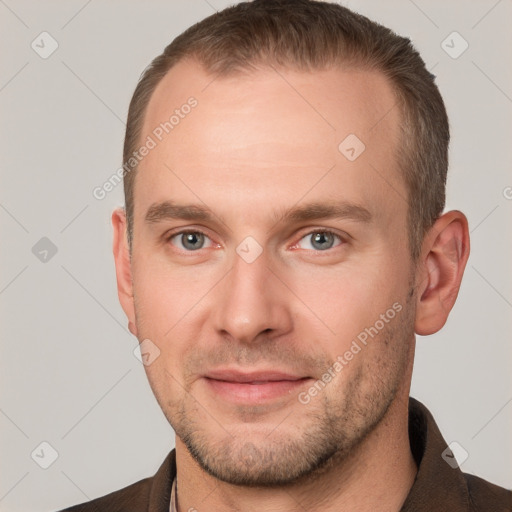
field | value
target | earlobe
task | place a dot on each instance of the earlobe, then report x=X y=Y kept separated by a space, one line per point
x=444 y=256
x=123 y=267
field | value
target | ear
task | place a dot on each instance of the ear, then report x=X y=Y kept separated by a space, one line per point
x=444 y=254
x=123 y=267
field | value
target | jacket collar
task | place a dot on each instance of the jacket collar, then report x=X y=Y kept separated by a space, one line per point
x=437 y=486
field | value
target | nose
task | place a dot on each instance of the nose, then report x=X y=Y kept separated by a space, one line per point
x=252 y=302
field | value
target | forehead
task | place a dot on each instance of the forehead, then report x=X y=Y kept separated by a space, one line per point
x=260 y=133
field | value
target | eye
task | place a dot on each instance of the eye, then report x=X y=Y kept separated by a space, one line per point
x=319 y=240
x=190 y=240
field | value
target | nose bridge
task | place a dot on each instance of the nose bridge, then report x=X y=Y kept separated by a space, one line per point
x=250 y=301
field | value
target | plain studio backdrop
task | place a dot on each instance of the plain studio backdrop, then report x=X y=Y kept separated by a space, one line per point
x=73 y=395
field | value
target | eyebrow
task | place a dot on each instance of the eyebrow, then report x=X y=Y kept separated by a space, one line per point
x=341 y=210
x=167 y=210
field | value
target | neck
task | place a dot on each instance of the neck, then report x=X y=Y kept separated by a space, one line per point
x=376 y=476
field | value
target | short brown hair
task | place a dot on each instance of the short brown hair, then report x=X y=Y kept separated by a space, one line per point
x=308 y=35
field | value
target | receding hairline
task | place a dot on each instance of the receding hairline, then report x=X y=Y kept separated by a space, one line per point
x=305 y=35
x=265 y=67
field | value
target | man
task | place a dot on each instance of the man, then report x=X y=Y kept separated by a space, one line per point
x=283 y=241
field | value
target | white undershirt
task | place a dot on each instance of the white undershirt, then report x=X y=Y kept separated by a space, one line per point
x=172 y=505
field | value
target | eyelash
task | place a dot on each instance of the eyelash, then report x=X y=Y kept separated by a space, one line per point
x=322 y=231
x=314 y=231
x=186 y=232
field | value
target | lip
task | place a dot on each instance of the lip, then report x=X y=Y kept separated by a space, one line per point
x=248 y=377
x=254 y=387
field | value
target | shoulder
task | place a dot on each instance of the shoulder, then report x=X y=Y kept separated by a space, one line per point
x=152 y=493
x=485 y=496
x=132 y=498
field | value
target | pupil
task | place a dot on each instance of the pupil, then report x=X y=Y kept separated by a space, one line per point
x=322 y=238
x=191 y=239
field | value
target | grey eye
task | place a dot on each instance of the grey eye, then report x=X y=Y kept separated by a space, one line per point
x=319 y=240
x=190 y=240
x=322 y=241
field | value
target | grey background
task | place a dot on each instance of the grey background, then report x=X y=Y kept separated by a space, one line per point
x=68 y=373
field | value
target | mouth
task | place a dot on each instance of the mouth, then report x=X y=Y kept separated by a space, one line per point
x=253 y=387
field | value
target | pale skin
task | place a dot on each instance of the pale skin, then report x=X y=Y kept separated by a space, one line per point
x=254 y=147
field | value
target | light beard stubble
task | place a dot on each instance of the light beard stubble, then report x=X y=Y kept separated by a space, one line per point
x=329 y=434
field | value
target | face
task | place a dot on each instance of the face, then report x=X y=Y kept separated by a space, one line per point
x=270 y=266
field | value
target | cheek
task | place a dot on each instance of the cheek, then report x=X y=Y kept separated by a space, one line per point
x=346 y=299
x=165 y=296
